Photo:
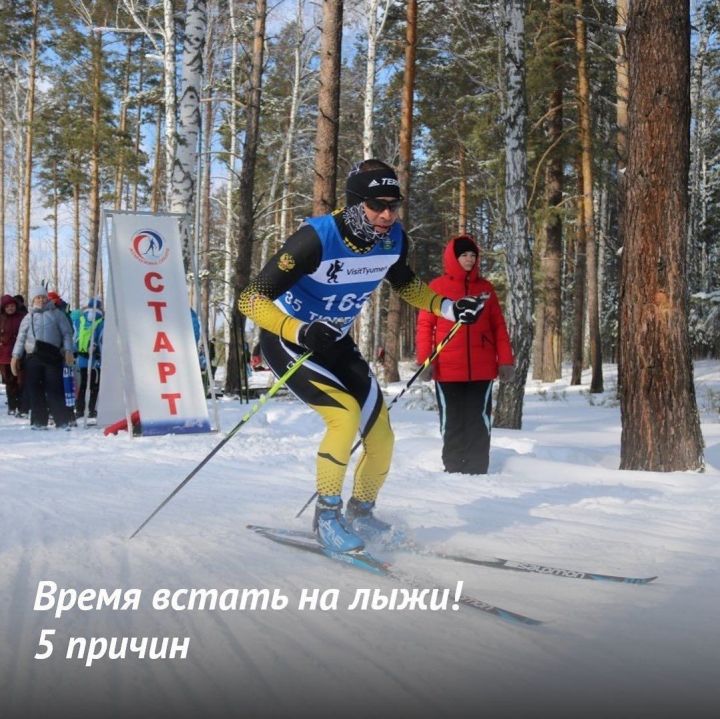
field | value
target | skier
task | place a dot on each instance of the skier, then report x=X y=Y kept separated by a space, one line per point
x=306 y=298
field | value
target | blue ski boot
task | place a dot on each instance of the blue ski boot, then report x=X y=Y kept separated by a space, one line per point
x=330 y=526
x=360 y=517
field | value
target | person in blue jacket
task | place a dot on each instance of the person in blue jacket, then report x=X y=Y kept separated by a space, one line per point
x=88 y=328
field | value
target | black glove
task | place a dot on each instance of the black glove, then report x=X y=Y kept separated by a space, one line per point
x=467 y=309
x=318 y=336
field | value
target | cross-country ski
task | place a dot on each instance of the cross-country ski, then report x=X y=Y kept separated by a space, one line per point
x=366 y=561
x=493 y=563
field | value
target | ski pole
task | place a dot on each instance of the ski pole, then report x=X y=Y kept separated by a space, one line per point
x=294 y=367
x=431 y=358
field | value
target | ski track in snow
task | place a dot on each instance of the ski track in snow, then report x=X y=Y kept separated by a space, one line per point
x=554 y=496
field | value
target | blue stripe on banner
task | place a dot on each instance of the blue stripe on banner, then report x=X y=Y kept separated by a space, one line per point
x=184 y=426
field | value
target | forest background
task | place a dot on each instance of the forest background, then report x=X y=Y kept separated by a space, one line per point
x=508 y=119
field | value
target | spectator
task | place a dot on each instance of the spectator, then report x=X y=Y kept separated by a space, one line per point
x=10 y=321
x=464 y=371
x=43 y=338
x=87 y=344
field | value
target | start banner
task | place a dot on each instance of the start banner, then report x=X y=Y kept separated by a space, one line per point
x=150 y=357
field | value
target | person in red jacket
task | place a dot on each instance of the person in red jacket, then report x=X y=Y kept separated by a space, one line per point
x=464 y=371
x=10 y=320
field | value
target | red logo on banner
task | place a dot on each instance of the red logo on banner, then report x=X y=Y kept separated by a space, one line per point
x=149 y=247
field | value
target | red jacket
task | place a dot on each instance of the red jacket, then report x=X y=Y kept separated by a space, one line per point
x=475 y=352
x=9 y=326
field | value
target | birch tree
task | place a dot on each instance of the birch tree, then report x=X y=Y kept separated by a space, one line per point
x=364 y=327
x=392 y=318
x=508 y=411
x=184 y=169
x=374 y=29
x=660 y=422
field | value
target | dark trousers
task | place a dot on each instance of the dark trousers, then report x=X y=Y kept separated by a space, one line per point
x=44 y=382
x=94 y=387
x=12 y=389
x=465 y=422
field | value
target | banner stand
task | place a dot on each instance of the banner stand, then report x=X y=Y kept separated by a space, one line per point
x=151 y=367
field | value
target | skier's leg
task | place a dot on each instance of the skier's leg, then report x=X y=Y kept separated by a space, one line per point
x=372 y=469
x=316 y=384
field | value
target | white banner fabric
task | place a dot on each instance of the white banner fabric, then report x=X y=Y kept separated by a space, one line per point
x=148 y=324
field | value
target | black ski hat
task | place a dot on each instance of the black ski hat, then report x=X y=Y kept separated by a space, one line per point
x=464 y=243
x=378 y=180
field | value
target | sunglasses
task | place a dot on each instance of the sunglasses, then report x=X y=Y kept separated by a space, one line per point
x=378 y=205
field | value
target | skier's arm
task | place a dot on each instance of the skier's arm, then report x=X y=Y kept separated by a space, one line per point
x=425 y=334
x=418 y=294
x=410 y=287
x=300 y=255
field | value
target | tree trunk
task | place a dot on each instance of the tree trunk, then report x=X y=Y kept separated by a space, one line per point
x=230 y=224
x=2 y=188
x=578 y=336
x=462 y=192
x=56 y=209
x=157 y=174
x=138 y=124
x=596 y=382
x=660 y=422
x=24 y=254
x=328 y=121
x=292 y=122
x=697 y=249
x=364 y=325
x=621 y=120
x=508 y=411
x=122 y=126
x=184 y=171
x=96 y=49
x=552 y=256
x=246 y=218
x=393 y=316
x=206 y=217
x=169 y=75
x=76 y=245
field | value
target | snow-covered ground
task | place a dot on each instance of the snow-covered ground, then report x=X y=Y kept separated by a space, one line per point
x=69 y=501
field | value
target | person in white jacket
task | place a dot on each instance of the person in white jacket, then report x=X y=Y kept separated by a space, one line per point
x=45 y=339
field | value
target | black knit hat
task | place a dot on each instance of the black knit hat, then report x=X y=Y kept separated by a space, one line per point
x=371 y=178
x=464 y=243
